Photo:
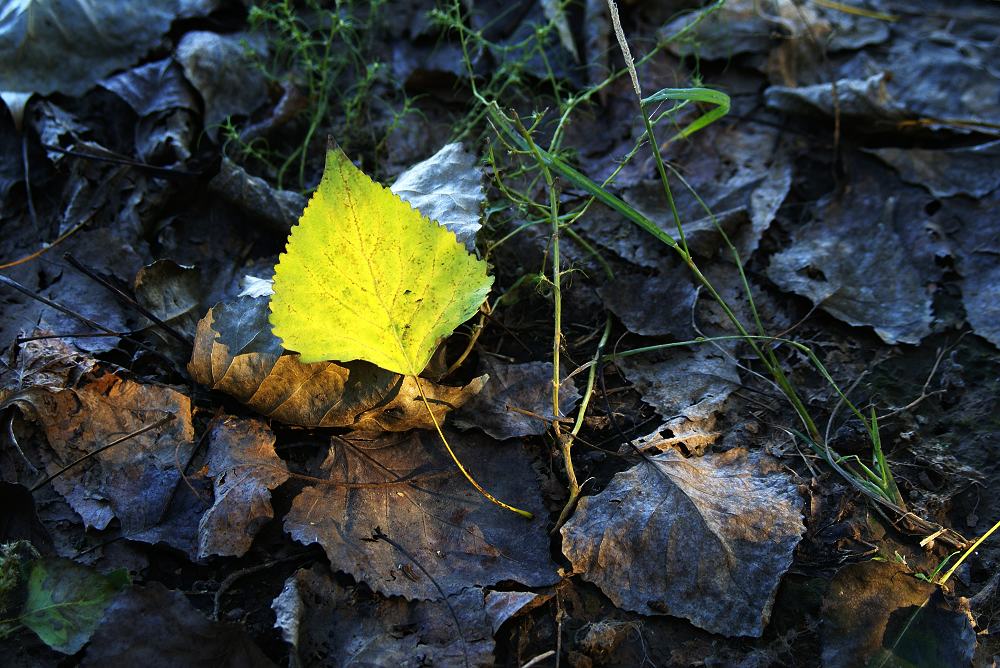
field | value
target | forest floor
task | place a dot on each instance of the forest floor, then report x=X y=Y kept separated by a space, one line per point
x=178 y=490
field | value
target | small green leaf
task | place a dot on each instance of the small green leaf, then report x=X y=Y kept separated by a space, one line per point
x=367 y=277
x=66 y=601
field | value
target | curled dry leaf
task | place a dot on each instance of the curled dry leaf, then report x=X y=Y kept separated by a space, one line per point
x=706 y=538
x=133 y=480
x=318 y=616
x=407 y=487
x=236 y=353
x=244 y=468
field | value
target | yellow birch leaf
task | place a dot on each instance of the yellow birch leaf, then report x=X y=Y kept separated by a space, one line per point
x=366 y=277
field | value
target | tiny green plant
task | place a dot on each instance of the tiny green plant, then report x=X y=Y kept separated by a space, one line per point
x=366 y=277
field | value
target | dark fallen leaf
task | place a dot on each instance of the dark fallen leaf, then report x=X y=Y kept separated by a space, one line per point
x=527 y=387
x=154 y=627
x=236 y=353
x=877 y=614
x=448 y=188
x=19 y=519
x=172 y=292
x=11 y=163
x=133 y=480
x=106 y=253
x=245 y=468
x=969 y=170
x=278 y=209
x=979 y=245
x=865 y=103
x=707 y=538
x=153 y=87
x=49 y=45
x=66 y=601
x=335 y=626
x=657 y=305
x=407 y=486
x=693 y=383
x=222 y=73
x=866 y=258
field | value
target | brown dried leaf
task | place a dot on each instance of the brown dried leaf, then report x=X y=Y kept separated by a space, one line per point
x=408 y=487
x=244 y=468
x=706 y=538
x=236 y=353
x=133 y=480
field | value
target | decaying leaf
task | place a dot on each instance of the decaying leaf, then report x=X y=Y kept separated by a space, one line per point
x=256 y=197
x=244 y=467
x=448 y=188
x=980 y=248
x=866 y=258
x=55 y=45
x=503 y=605
x=366 y=277
x=236 y=353
x=878 y=614
x=513 y=388
x=66 y=601
x=320 y=618
x=705 y=538
x=407 y=487
x=692 y=383
x=154 y=626
x=133 y=480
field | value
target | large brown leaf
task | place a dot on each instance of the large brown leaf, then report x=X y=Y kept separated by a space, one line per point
x=236 y=353
x=706 y=538
x=408 y=488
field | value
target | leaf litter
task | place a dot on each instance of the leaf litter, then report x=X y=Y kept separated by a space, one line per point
x=885 y=225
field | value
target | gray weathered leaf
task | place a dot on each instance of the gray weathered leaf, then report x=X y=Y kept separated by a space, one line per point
x=878 y=614
x=350 y=627
x=447 y=187
x=969 y=170
x=236 y=353
x=865 y=258
x=408 y=487
x=525 y=386
x=245 y=468
x=219 y=69
x=690 y=383
x=857 y=100
x=133 y=480
x=67 y=45
x=706 y=538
